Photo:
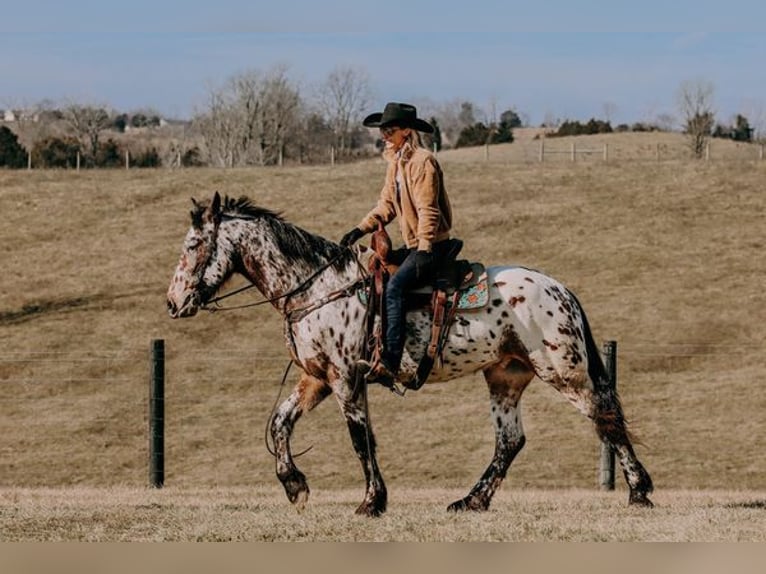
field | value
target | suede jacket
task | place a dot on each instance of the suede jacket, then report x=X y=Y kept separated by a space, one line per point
x=422 y=205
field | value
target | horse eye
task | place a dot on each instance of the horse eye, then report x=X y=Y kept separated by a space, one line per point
x=193 y=243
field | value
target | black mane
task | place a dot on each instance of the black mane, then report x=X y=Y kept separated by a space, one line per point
x=296 y=244
x=244 y=207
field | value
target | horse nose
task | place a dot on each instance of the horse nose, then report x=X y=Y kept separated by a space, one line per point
x=172 y=308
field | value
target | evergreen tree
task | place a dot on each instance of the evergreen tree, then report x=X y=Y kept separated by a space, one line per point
x=12 y=153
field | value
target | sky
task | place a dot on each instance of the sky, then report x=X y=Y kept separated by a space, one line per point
x=543 y=58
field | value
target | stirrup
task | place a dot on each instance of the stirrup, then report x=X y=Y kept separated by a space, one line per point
x=367 y=369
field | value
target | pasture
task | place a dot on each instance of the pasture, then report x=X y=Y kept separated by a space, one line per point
x=666 y=258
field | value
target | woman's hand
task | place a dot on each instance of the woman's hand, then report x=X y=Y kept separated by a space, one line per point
x=351 y=237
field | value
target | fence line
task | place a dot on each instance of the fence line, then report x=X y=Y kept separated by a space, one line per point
x=659 y=152
x=573 y=151
x=99 y=427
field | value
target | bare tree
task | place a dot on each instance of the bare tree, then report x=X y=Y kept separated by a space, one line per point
x=87 y=122
x=756 y=112
x=219 y=126
x=342 y=99
x=250 y=119
x=609 y=109
x=695 y=102
x=281 y=115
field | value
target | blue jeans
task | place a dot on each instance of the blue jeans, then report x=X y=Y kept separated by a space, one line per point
x=405 y=278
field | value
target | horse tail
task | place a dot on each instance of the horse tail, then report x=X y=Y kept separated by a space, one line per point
x=610 y=421
x=596 y=368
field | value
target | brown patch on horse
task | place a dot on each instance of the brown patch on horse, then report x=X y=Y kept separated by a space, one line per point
x=312 y=391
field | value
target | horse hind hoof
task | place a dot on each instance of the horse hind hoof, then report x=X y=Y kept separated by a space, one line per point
x=640 y=499
x=300 y=500
x=468 y=504
x=370 y=510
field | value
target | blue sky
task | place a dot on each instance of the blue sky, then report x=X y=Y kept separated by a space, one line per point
x=553 y=58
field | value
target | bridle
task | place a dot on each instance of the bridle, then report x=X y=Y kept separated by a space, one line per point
x=213 y=305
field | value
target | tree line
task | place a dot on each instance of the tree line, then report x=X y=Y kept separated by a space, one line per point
x=265 y=118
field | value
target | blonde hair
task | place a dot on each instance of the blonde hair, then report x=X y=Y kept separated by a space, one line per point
x=414 y=139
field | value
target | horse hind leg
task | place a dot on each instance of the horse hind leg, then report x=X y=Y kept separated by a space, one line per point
x=600 y=403
x=507 y=381
x=308 y=393
x=590 y=392
x=611 y=428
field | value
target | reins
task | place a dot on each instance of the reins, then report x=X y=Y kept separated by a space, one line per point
x=299 y=289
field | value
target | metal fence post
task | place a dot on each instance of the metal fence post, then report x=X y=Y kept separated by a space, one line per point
x=606 y=472
x=157 y=415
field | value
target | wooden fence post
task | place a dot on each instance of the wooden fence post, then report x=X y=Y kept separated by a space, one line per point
x=606 y=472
x=574 y=152
x=606 y=153
x=157 y=415
x=127 y=159
x=542 y=150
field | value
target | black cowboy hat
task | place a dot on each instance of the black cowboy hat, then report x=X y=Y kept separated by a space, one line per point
x=399 y=115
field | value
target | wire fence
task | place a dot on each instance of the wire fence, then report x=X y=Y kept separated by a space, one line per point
x=94 y=406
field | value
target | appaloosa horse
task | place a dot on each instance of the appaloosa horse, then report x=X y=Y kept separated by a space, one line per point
x=532 y=326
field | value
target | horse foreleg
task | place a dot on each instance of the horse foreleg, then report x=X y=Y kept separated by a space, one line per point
x=354 y=409
x=507 y=382
x=308 y=393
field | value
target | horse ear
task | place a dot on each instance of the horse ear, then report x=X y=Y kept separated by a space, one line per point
x=196 y=214
x=213 y=212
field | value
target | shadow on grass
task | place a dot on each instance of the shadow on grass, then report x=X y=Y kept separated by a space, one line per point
x=755 y=504
x=38 y=309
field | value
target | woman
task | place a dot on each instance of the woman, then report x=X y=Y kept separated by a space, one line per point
x=414 y=192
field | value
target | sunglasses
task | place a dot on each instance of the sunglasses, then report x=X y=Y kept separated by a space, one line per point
x=389 y=131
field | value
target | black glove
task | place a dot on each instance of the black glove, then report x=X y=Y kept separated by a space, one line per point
x=351 y=237
x=424 y=261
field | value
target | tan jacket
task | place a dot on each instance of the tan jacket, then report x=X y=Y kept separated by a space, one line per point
x=423 y=208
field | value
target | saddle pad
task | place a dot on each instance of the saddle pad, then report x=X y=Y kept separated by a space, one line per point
x=474 y=297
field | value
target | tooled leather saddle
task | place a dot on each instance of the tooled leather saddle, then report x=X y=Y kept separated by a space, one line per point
x=455 y=284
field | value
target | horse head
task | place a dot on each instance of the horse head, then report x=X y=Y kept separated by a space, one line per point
x=203 y=265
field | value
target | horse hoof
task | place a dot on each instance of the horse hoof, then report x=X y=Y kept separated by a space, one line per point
x=301 y=499
x=640 y=499
x=371 y=509
x=296 y=489
x=469 y=503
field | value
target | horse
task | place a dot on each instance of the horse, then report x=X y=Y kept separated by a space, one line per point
x=532 y=326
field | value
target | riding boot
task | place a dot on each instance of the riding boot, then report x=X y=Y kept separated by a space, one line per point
x=377 y=372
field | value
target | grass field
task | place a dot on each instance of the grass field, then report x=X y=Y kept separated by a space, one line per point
x=260 y=514
x=666 y=257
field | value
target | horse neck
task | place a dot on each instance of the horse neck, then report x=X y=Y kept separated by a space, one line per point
x=278 y=258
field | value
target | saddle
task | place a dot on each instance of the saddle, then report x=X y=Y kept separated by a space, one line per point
x=455 y=284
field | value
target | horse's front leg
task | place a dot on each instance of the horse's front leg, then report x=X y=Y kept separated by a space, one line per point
x=308 y=393
x=353 y=405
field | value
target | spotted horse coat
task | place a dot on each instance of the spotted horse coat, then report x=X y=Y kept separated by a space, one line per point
x=532 y=327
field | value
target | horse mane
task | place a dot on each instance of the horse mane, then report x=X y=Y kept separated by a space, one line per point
x=296 y=244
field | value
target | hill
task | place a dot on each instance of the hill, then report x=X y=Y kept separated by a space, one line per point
x=666 y=258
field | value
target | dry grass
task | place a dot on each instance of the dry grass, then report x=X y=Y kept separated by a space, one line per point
x=262 y=514
x=667 y=259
